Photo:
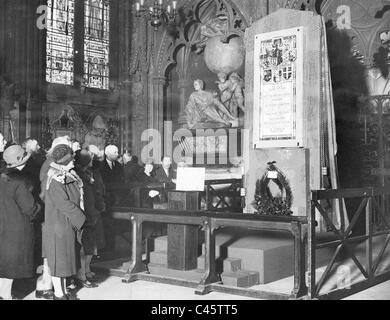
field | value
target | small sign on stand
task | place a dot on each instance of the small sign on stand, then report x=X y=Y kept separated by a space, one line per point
x=190 y=179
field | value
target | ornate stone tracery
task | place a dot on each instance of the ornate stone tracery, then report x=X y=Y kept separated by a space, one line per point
x=173 y=53
x=195 y=14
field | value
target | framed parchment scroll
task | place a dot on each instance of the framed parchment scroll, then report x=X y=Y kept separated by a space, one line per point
x=278 y=89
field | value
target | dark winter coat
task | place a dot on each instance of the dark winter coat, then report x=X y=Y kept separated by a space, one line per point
x=99 y=187
x=100 y=204
x=131 y=170
x=32 y=169
x=17 y=210
x=146 y=200
x=162 y=177
x=63 y=217
x=112 y=179
x=89 y=238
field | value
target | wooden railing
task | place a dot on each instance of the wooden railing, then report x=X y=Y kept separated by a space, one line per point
x=371 y=211
x=227 y=199
x=376 y=223
x=210 y=222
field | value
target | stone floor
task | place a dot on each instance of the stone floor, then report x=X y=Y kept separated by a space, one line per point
x=111 y=288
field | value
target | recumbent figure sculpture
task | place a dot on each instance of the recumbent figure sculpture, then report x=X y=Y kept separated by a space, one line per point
x=205 y=110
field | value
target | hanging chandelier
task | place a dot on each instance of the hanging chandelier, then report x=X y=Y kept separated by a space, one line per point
x=157 y=14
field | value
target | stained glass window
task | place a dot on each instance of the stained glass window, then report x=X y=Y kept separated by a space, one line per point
x=96 y=43
x=59 y=42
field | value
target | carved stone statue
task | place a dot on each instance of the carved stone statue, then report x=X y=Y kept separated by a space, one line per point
x=68 y=119
x=97 y=135
x=231 y=89
x=205 y=110
x=217 y=26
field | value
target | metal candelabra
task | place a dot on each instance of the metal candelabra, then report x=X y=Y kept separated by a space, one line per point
x=158 y=13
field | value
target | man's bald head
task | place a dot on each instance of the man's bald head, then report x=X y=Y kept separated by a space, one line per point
x=112 y=153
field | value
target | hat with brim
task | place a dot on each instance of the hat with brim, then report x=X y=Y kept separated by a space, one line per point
x=15 y=156
x=59 y=141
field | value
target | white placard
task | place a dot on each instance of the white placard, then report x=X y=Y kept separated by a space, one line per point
x=278 y=89
x=272 y=175
x=190 y=179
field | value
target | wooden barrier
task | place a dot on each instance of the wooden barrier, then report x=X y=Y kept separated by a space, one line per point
x=373 y=202
x=231 y=192
x=210 y=222
x=374 y=205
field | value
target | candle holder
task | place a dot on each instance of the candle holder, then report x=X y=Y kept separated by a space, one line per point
x=158 y=13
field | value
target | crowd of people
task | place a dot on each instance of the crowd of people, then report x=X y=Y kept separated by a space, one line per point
x=55 y=208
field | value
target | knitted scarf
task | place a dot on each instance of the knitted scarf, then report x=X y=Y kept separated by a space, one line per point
x=58 y=173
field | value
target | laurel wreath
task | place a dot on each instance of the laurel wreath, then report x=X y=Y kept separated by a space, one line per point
x=265 y=203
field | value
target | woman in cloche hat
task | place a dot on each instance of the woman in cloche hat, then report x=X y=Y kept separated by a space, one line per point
x=17 y=209
x=64 y=219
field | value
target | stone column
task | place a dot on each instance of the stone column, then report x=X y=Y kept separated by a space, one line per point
x=156 y=107
x=124 y=110
x=183 y=84
x=184 y=81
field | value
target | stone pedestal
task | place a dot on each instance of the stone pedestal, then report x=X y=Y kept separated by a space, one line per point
x=182 y=239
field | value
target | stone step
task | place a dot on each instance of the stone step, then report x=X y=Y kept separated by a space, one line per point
x=159 y=257
x=201 y=262
x=161 y=243
x=240 y=279
x=254 y=278
x=226 y=265
x=162 y=270
x=231 y=265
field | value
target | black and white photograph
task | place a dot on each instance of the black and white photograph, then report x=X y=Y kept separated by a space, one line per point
x=194 y=157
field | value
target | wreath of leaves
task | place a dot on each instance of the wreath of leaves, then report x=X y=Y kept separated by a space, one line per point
x=265 y=203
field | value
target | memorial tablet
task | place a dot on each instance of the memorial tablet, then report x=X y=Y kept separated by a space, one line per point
x=278 y=89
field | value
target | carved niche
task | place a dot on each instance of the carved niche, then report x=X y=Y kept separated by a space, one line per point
x=81 y=123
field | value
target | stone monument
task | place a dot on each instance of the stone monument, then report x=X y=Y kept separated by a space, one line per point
x=205 y=110
x=291 y=144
